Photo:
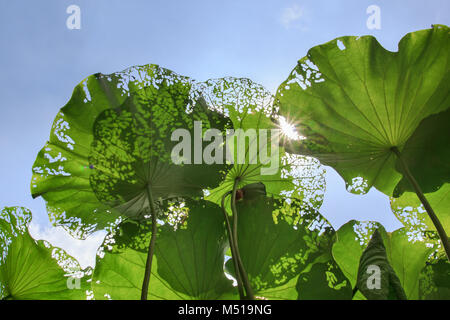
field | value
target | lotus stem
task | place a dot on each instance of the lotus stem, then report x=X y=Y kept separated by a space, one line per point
x=245 y=280
x=354 y=291
x=151 y=247
x=233 y=248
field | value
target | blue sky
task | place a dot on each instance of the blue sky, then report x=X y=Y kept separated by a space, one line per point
x=42 y=61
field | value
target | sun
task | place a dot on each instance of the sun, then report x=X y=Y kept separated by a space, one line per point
x=288 y=129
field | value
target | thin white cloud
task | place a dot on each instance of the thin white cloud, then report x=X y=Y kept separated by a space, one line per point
x=82 y=250
x=290 y=15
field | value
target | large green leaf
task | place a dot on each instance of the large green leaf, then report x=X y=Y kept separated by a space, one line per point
x=132 y=150
x=158 y=101
x=61 y=170
x=250 y=107
x=353 y=101
x=277 y=241
x=426 y=154
x=188 y=261
x=406 y=254
x=31 y=269
x=348 y=249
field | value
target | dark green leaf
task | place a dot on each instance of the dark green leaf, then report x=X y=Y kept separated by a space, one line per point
x=376 y=278
x=426 y=154
x=253 y=191
x=325 y=281
x=435 y=280
x=407 y=255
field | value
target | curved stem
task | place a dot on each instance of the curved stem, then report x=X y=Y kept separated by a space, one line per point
x=151 y=247
x=354 y=291
x=245 y=280
x=437 y=224
x=233 y=249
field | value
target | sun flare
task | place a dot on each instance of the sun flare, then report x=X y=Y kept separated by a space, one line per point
x=288 y=129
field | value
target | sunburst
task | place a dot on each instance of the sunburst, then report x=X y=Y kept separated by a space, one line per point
x=288 y=129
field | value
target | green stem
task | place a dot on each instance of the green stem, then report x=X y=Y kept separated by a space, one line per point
x=355 y=290
x=245 y=280
x=233 y=249
x=151 y=247
x=437 y=224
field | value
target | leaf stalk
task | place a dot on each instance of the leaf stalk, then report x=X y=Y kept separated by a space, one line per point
x=151 y=247
x=233 y=248
x=243 y=273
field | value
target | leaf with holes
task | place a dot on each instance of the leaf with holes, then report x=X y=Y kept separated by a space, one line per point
x=133 y=150
x=188 y=261
x=254 y=145
x=278 y=240
x=354 y=101
x=411 y=213
x=88 y=137
x=34 y=270
x=325 y=281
